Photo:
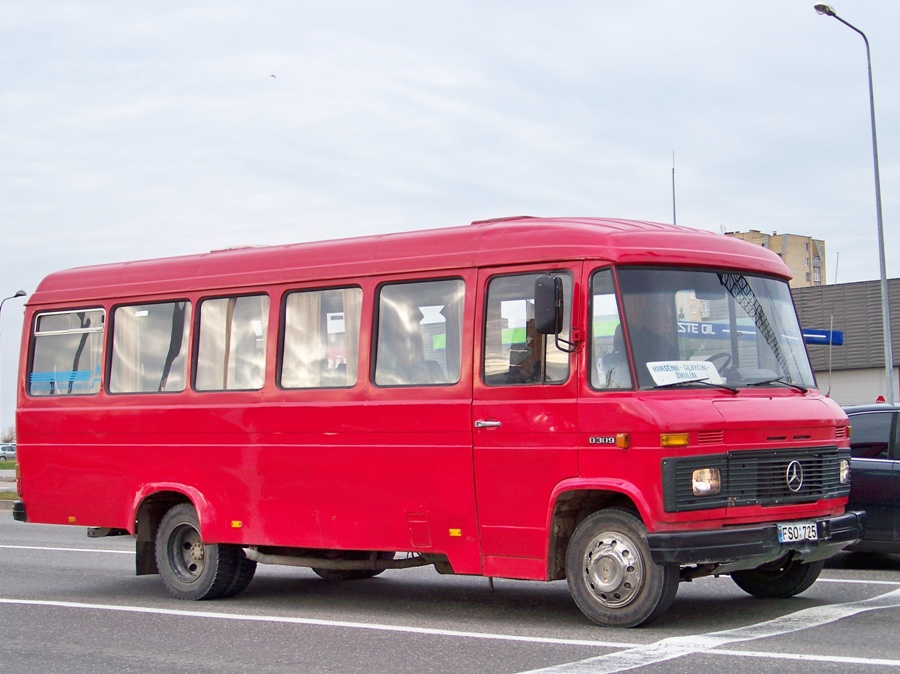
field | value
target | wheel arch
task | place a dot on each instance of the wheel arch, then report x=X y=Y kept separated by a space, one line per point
x=151 y=504
x=571 y=503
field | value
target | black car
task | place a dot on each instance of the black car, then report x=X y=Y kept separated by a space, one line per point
x=875 y=474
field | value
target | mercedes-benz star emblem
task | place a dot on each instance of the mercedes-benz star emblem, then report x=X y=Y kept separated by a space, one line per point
x=793 y=476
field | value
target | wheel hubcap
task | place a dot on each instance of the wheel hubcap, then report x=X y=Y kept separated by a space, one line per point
x=613 y=569
x=187 y=553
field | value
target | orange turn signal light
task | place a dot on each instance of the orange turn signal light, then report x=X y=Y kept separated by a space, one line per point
x=674 y=439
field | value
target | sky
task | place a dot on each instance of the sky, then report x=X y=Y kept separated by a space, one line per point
x=141 y=130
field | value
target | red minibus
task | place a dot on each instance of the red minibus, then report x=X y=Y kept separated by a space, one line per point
x=624 y=405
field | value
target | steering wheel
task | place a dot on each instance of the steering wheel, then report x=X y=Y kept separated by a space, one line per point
x=723 y=356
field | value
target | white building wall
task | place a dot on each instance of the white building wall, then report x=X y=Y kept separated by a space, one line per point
x=855 y=387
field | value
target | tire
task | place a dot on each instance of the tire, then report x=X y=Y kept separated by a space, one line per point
x=611 y=575
x=778 y=580
x=243 y=574
x=352 y=574
x=193 y=570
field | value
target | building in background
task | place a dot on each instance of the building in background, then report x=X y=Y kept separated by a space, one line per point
x=804 y=255
x=854 y=372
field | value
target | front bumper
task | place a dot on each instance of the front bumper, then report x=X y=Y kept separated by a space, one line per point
x=748 y=547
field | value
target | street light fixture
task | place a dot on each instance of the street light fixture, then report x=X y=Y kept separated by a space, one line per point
x=885 y=304
x=18 y=293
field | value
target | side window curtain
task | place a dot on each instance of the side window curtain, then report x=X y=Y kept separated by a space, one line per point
x=514 y=352
x=608 y=354
x=150 y=344
x=67 y=353
x=419 y=333
x=231 y=346
x=321 y=338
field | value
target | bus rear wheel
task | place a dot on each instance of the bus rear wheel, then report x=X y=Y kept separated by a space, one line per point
x=611 y=575
x=778 y=580
x=192 y=569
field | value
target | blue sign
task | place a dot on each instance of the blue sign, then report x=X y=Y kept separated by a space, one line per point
x=835 y=337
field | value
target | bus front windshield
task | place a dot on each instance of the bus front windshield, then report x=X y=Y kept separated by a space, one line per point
x=698 y=328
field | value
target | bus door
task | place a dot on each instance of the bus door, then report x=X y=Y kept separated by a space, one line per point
x=524 y=418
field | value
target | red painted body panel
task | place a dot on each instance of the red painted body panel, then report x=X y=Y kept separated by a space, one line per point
x=717 y=422
x=477 y=245
x=372 y=468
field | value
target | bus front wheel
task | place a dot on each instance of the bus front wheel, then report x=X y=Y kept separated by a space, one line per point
x=611 y=575
x=192 y=569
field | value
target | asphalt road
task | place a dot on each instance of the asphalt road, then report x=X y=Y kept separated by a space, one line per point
x=73 y=604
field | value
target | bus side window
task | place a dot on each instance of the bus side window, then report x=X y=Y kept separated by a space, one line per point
x=150 y=347
x=231 y=347
x=321 y=338
x=419 y=334
x=66 y=357
x=514 y=352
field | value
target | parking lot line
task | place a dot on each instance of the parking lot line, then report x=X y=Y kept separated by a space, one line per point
x=626 y=655
x=677 y=647
x=211 y=615
x=55 y=549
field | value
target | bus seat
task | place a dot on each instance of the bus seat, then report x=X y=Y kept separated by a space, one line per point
x=431 y=372
x=613 y=366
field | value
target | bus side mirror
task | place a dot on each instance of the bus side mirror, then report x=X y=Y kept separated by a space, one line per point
x=548 y=305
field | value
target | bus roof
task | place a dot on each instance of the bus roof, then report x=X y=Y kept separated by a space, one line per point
x=483 y=243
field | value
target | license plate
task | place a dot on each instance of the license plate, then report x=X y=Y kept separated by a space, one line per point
x=790 y=532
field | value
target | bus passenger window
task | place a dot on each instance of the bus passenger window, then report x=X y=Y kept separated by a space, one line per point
x=420 y=333
x=321 y=338
x=514 y=352
x=150 y=348
x=610 y=359
x=67 y=352
x=231 y=349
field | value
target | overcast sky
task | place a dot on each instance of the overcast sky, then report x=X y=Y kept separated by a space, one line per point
x=145 y=129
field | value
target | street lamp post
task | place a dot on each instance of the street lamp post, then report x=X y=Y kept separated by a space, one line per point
x=18 y=293
x=885 y=304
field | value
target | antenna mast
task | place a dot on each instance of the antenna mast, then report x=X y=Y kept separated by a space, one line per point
x=674 y=219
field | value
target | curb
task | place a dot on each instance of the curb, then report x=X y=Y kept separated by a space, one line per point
x=7 y=487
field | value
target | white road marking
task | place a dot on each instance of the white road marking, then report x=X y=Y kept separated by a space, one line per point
x=805 y=657
x=51 y=549
x=635 y=655
x=677 y=647
x=858 y=582
x=316 y=622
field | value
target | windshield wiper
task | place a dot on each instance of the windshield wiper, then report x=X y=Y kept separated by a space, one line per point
x=700 y=380
x=780 y=380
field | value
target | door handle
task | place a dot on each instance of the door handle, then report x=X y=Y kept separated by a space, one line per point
x=485 y=423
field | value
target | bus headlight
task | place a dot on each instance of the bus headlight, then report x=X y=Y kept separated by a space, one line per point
x=706 y=481
x=845 y=471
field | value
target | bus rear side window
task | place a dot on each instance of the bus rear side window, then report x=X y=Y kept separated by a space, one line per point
x=68 y=349
x=321 y=338
x=419 y=333
x=231 y=351
x=150 y=348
